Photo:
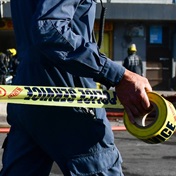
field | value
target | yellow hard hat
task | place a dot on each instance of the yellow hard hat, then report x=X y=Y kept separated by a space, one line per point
x=12 y=51
x=132 y=47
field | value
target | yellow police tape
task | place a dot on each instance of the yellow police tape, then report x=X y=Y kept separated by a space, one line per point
x=59 y=96
x=161 y=123
x=150 y=129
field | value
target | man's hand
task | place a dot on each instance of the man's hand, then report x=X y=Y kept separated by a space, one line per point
x=131 y=92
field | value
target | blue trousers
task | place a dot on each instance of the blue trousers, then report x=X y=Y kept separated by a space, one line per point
x=80 y=145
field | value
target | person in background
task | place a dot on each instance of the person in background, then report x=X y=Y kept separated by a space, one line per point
x=3 y=68
x=56 y=49
x=133 y=62
x=11 y=52
x=13 y=61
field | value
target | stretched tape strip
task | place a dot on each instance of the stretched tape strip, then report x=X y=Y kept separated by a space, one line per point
x=160 y=129
x=59 y=96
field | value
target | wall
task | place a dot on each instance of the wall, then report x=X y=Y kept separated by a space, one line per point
x=141 y=1
x=121 y=45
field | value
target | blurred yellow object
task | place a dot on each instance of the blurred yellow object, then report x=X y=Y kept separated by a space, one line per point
x=132 y=47
x=12 y=51
x=98 y=85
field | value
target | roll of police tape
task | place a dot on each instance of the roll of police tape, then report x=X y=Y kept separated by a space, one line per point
x=158 y=125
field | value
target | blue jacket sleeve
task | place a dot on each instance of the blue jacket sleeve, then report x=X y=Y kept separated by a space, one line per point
x=54 y=33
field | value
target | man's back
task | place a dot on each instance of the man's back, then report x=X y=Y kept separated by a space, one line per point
x=133 y=63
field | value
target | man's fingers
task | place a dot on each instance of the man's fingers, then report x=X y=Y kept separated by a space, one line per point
x=145 y=102
x=130 y=115
x=137 y=107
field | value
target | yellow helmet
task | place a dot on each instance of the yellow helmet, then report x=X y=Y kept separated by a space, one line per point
x=132 y=47
x=12 y=51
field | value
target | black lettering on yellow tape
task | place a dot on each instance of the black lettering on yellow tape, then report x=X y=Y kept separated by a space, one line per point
x=50 y=94
x=164 y=135
x=70 y=95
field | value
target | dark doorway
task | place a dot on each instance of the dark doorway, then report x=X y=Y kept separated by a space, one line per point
x=159 y=57
x=7 y=40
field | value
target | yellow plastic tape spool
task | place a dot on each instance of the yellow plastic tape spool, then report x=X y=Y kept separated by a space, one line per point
x=157 y=126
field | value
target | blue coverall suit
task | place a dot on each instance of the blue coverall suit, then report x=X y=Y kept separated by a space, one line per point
x=55 y=48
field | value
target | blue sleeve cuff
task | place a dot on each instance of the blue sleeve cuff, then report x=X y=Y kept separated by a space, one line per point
x=111 y=74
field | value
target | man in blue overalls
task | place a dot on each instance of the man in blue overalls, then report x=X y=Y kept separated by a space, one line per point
x=55 y=48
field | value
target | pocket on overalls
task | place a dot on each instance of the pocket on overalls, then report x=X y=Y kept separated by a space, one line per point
x=94 y=163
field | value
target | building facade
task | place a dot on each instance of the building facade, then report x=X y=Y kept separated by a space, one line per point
x=150 y=24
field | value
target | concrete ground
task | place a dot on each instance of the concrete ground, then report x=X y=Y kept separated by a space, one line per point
x=139 y=158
